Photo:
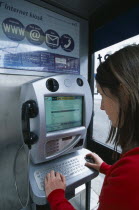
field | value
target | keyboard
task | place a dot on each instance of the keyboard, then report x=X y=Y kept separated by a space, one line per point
x=69 y=168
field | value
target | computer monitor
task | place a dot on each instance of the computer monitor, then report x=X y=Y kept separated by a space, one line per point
x=56 y=112
x=63 y=112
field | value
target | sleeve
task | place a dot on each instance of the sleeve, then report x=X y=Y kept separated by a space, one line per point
x=58 y=201
x=121 y=187
x=104 y=168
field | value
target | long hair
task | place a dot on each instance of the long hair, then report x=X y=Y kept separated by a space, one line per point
x=120 y=74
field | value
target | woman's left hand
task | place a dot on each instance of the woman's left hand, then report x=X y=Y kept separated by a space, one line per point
x=53 y=181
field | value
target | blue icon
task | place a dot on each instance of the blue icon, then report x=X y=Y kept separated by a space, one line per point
x=67 y=43
x=13 y=29
x=52 y=39
x=34 y=34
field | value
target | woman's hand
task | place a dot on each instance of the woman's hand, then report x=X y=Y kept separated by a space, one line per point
x=53 y=181
x=97 y=161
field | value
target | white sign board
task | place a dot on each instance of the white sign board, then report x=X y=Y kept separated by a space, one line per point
x=102 y=55
x=36 y=39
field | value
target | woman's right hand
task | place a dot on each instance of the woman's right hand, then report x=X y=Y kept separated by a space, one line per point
x=54 y=181
x=97 y=161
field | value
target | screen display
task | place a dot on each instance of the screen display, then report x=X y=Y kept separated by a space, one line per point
x=63 y=112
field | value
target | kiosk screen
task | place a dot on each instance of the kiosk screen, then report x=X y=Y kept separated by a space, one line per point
x=63 y=112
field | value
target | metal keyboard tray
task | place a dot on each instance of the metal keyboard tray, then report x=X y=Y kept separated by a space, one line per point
x=73 y=180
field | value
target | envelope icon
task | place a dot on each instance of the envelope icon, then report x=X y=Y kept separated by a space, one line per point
x=52 y=40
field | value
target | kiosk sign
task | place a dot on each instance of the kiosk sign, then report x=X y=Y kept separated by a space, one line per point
x=44 y=43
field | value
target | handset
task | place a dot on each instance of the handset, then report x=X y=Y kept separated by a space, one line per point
x=29 y=110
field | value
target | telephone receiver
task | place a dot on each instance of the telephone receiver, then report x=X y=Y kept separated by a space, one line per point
x=68 y=44
x=29 y=110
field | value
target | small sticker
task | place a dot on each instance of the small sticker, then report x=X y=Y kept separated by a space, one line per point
x=52 y=39
x=67 y=43
x=34 y=34
x=13 y=29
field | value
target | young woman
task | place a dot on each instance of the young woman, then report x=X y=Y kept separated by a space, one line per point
x=118 y=83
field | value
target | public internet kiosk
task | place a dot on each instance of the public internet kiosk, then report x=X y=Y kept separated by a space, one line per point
x=56 y=112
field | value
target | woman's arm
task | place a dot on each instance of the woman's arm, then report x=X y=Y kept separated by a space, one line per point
x=58 y=201
x=104 y=168
x=120 y=189
x=55 y=185
x=98 y=164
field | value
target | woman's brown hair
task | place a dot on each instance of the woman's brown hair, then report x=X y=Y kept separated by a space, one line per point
x=120 y=74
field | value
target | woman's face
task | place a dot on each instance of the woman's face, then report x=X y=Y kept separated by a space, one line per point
x=109 y=104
